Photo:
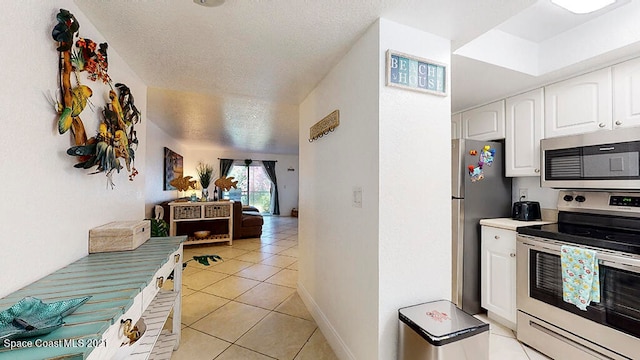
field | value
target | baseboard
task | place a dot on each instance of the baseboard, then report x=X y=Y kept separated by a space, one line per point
x=502 y=321
x=333 y=338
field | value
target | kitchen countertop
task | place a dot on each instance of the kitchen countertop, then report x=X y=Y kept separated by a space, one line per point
x=510 y=224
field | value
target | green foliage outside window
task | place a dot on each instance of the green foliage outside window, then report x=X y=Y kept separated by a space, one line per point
x=254 y=190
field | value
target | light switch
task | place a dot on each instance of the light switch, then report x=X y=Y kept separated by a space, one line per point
x=357 y=197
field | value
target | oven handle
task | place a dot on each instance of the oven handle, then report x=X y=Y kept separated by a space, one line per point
x=604 y=258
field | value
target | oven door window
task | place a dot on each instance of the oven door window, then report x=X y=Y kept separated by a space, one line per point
x=619 y=305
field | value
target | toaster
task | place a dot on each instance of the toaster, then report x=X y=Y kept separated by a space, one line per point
x=526 y=211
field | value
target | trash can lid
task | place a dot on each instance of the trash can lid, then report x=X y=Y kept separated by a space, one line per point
x=441 y=322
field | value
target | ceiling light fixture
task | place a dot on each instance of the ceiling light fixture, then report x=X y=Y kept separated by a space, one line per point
x=209 y=3
x=583 y=6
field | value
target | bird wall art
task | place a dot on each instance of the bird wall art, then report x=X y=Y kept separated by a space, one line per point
x=113 y=146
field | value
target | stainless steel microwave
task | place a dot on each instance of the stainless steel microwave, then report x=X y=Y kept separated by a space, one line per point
x=599 y=160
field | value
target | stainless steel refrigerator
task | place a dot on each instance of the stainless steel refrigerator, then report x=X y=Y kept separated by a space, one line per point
x=479 y=191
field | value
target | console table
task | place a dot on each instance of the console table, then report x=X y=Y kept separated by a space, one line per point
x=123 y=285
x=202 y=211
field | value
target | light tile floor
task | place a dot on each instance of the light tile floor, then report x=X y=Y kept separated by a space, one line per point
x=247 y=308
x=503 y=343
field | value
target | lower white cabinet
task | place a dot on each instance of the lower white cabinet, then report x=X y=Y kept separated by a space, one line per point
x=498 y=274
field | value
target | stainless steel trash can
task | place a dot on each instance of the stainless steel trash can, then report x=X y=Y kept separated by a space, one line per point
x=438 y=330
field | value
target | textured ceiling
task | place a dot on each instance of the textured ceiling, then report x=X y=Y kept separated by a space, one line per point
x=242 y=123
x=234 y=75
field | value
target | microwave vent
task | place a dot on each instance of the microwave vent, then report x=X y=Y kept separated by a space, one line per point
x=565 y=167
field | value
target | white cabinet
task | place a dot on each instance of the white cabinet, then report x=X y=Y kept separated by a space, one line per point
x=456 y=125
x=202 y=211
x=498 y=274
x=484 y=123
x=578 y=105
x=626 y=94
x=524 y=129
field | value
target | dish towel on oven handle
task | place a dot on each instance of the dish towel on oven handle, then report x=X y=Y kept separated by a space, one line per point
x=580 y=276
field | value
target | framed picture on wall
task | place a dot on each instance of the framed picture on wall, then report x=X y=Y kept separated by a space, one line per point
x=172 y=168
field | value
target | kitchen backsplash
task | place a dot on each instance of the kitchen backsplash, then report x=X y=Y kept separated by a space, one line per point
x=547 y=197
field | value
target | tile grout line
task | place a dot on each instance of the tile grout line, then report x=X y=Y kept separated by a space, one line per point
x=306 y=342
x=524 y=350
x=265 y=281
x=270 y=311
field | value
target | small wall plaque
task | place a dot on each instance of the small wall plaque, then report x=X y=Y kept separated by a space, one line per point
x=415 y=73
x=324 y=126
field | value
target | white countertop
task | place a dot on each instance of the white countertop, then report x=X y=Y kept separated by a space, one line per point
x=510 y=224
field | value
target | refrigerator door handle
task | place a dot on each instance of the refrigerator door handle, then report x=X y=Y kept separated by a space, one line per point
x=457 y=163
x=457 y=235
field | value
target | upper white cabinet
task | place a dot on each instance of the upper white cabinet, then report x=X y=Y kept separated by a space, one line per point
x=626 y=94
x=578 y=105
x=485 y=122
x=456 y=125
x=524 y=129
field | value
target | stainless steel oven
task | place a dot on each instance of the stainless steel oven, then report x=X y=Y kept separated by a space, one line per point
x=609 y=329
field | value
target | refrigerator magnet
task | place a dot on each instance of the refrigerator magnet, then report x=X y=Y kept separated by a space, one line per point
x=476 y=174
x=487 y=155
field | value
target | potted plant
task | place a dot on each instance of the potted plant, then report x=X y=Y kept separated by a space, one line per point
x=205 y=173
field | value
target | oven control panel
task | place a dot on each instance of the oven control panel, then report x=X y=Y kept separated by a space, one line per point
x=603 y=202
x=616 y=200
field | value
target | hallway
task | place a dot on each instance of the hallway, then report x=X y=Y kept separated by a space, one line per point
x=246 y=307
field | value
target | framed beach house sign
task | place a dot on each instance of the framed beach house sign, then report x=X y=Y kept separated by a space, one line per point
x=416 y=73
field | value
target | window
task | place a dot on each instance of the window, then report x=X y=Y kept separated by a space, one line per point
x=254 y=187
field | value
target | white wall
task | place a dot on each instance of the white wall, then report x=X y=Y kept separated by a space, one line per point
x=154 y=185
x=547 y=197
x=48 y=206
x=415 y=187
x=338 y=243
x=359 y=265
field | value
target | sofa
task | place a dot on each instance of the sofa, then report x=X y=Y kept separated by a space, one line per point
x=247 y=222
